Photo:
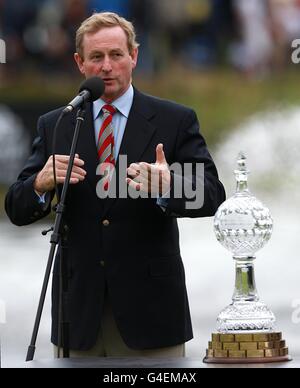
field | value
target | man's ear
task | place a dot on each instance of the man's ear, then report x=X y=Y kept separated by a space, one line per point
x=79 y=62
x=134 y=56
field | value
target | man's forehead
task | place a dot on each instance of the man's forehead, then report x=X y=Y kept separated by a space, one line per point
x=107 y=34
x=105 y=40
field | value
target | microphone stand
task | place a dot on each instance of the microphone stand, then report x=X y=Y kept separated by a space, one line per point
x=59 y=236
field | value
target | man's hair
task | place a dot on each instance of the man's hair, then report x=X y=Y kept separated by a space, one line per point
x=101 y=20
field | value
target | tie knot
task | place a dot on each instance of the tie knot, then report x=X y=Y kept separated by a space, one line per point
x=109 y=109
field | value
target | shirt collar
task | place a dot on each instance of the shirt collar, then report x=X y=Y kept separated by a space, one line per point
x=123 y=104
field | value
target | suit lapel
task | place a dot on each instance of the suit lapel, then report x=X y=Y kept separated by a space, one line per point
x=86 y=147
x=137 y=136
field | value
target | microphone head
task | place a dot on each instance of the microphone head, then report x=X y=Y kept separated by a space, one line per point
x=95 y=86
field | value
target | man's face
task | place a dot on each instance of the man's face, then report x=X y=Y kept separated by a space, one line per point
x=106 y=55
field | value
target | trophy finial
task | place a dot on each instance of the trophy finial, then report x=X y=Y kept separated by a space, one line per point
x=241 y=160
x=241 y=173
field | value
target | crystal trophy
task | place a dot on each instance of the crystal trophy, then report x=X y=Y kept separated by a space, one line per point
x=246 y=328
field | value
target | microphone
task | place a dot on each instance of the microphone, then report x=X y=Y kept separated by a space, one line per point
x=90 y=90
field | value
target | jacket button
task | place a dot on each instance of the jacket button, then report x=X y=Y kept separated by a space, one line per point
x=102 y=263
x=105 y=223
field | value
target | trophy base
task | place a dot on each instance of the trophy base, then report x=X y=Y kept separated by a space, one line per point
x=261 y=360
x=250 y=348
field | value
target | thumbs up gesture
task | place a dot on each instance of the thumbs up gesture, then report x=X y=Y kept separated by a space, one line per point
x=160 y=155
x=151 y=178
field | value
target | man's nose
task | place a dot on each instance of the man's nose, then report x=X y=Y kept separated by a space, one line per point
x=106 y=65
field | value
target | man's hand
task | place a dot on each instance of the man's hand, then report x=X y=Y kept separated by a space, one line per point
x=44 y=181
x=151 y=178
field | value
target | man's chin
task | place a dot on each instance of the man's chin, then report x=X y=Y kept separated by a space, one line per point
x=111 y=94
x=109 y=97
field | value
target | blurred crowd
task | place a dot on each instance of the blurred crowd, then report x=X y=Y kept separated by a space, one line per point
x=254 y=36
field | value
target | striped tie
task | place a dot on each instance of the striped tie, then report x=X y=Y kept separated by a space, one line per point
x=105 y=145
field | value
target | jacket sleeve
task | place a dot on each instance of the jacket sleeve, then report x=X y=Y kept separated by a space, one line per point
x=22 y=204
x=196 y=190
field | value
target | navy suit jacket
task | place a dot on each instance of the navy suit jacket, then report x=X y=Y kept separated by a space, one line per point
x=143 y=269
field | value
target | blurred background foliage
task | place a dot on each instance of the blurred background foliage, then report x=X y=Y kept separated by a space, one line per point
x=227 y=59
x=221 y=97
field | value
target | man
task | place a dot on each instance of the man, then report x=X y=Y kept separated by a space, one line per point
x=127 y=292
